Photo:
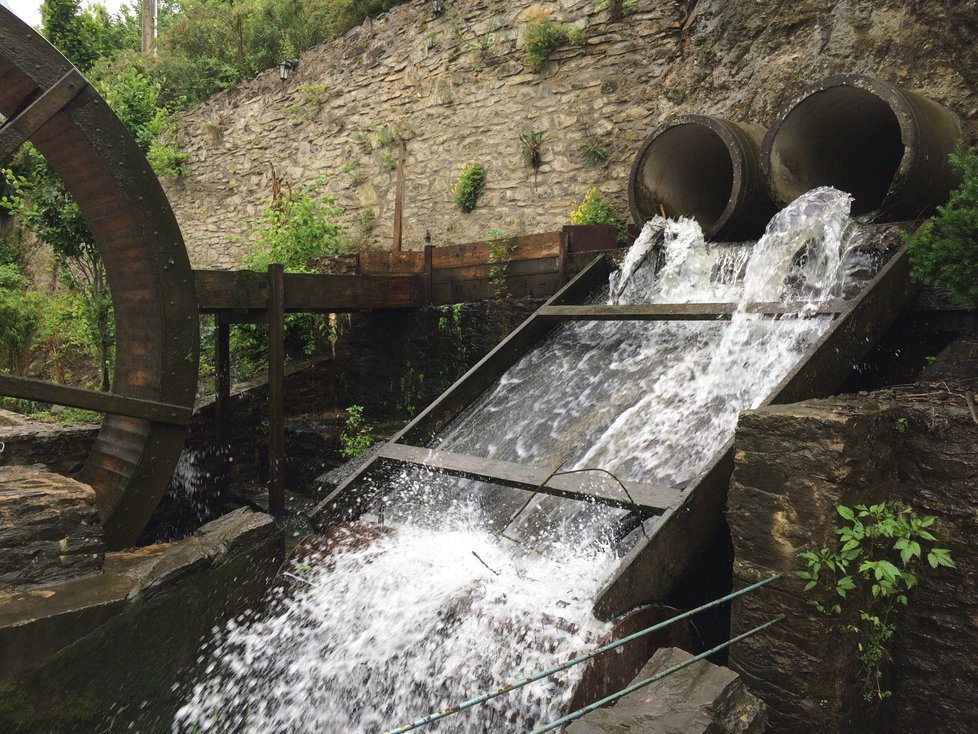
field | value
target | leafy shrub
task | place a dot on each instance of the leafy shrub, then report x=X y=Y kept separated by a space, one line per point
x=18 y=316
x=596 y=209
x=469 y=186
x=870 y=575
x=543 y=35
x=296 y=228
x=357 y=436
x=944 y=252
x=500 y=256
x=531 y=148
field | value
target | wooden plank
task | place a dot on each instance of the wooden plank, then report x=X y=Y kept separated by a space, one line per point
x=472 y=384
x=18 y=130
x=480 y=272
x=381 y=261
x=244 y=290
x=275 y=317
x=653 y=567
x=596 y=486
x=76 y=397
x=222 y=379
x=674 y=311
x=528 y=247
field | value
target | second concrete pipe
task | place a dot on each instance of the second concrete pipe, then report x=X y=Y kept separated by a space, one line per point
x=884 y=145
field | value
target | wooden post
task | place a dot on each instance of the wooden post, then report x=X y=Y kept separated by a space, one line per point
x=399 y=198
x=562 y=256
x=222 y=378
x=275 y=316
x=148 y=23
x=426 y=275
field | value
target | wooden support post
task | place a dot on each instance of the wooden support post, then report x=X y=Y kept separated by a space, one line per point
x=275 y=316
x=222 y=378
x=399 y=198
x=562 y=256
x=426 y=275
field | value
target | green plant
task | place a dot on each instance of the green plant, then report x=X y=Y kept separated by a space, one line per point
x=944 y=251
x=543 y=35
x=869 y=576
x=500 y=256
x=212 y=128
x=388 y=161
x=18 y=315
x=596 y=209
x=357 y=436
x=410 y=391
x=469 y=186
x=593 y=154
x=531 y=148
x=385 y=137
x=901 y=425
x=619 y=8
x=367 y=221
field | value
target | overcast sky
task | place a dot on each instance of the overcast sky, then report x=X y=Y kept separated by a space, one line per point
x=30 y=10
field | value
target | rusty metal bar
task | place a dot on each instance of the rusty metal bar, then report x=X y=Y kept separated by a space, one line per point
x=589 y=488
x=18 y=130
x=275 y=316
x=102 y=402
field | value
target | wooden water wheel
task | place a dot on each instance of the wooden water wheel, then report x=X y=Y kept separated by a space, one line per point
x=46 y=101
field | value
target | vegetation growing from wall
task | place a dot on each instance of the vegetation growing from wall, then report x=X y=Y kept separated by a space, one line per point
x=469 y=186
x=357 y=436
x=500 y=256
x=944 y=252
x=543 y=35
x=596 y=209
x=868 y=577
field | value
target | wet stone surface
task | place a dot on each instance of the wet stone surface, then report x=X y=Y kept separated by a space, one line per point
x=49 y=528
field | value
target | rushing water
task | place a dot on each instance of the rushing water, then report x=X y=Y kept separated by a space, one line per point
x=470 y=586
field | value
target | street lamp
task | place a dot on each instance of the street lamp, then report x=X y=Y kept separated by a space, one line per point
x=285 y=66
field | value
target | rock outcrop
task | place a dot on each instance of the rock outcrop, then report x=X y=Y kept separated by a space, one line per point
x=794 y=464
x=49 y=528
x=701 y=698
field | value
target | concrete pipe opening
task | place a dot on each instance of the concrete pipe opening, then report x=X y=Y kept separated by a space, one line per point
x=705 y=168
x=885 y=146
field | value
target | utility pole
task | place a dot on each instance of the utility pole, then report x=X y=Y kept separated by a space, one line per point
x=148 y=18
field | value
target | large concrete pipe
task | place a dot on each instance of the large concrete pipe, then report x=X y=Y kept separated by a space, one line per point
x=705 y=168
x=884 y=145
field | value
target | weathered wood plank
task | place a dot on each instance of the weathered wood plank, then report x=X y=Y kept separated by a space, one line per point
x=527 y=247
x=672 y=311
x=15 y=132
x=76 y=397
x=535 y=266
x=597 y=487
x=381 y=261
x=653 y=567
x=244 y=290
x=518 y=286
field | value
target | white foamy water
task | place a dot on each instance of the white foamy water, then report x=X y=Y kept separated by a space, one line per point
x=456 y=599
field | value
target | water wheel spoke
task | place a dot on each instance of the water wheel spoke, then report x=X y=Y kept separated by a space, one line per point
x=76 y=397
x=18 y=130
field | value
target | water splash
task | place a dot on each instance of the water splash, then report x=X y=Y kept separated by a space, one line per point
x=476 y=585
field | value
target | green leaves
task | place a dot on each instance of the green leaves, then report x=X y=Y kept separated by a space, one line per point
x=469 y=186
x=872 y=570
x=944 y=252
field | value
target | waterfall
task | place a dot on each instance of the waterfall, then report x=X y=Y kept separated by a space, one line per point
x=468 y=586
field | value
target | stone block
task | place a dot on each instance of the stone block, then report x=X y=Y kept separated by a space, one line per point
x=701 y=698
x=49 y=528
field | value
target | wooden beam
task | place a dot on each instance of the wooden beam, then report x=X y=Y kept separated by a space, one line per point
x=674 y=311
x=589 y=487
x=76 y=397
x=18 y=130
x=276 y=389
x=399 y=197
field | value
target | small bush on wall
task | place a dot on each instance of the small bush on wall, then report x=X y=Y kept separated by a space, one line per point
x=469 y=186
x=543 y=35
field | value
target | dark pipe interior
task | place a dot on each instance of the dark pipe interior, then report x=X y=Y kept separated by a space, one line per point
x=687 y=169
x=843 y=137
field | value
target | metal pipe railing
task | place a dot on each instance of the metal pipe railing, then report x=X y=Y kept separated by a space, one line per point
x=431 y=718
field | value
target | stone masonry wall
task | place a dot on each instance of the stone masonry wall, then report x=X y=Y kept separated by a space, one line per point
x=458 y=90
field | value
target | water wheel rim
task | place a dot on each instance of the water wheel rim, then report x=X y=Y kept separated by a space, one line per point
x=146 y=262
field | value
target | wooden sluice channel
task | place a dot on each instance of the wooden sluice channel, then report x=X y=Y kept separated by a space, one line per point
x=687 y=516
